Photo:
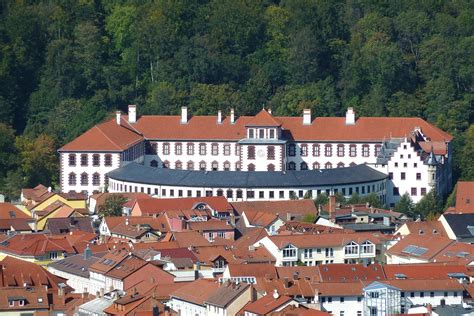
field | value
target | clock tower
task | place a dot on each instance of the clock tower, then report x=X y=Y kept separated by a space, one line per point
x=263 y=149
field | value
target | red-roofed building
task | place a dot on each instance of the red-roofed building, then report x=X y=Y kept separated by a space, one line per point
x=270 y=303
x=261 y=143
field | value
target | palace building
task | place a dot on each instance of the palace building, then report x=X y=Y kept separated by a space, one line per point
x=259 y=157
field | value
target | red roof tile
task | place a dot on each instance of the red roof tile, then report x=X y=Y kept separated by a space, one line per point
x=465 y=197
x=10 y=211
x=154 y=206
x=351 y=272
x=423 y=271
x=263 y=118
x=107 y=136
x=267 y=304
x=211 y=225
x=293 y=207
x=432 y=243
x=189 y=293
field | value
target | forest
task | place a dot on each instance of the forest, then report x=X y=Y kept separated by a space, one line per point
x=66 y=65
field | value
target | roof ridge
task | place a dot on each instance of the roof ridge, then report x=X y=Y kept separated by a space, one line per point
x=108 y=138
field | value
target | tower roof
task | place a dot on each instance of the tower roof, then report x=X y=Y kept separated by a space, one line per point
x=264 y=118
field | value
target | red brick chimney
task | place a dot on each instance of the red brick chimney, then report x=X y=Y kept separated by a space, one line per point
x=332 y=207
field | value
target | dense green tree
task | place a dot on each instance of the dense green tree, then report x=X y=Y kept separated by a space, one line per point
x=321 y=200
x=112 y=206
x=405 y=205
x=429 y=204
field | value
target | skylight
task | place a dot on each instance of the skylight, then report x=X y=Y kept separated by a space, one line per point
x=414 y=250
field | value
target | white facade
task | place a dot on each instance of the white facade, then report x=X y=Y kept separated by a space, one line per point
x=78 y=283
x=185 y=308
x=264 y=148
x=351 y=252
x=342 y=305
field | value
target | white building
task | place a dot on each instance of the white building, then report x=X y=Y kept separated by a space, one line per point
x=318 y=249
x=415 y=154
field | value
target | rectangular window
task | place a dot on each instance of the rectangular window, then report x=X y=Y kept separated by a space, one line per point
x=328 y=150
x=390 y=175
x=340 y=150
x=72 y=160
x=108 y=160
x=190 y=149
x=403 y=176
x=418 y=176
x=166 y=149
x=423 y=191
x=261 y=194
x=272 y=133
x=84 y=159
x=308 y=253
x=291 y=150
x=226 y=150
x=251 y=152
x=413 y=191
x=316 y=151
x=304 y=150
x=250 y=194
x=281 y=194
x=422 y=294
x=271 y=194
x=271 y=152
x=215 y=149
x=365 y=150
x=396 y=191
x=95 y=160
x=251 y=133
x=202 y=149
x=178 y=149
x=352 y=150
x=261 y=133
x=378 y=148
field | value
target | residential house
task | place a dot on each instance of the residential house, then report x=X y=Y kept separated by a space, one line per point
x=134 y=228
x=56 y=209
x=12 y=219
x=270 y=221
x=40 y=197
x=273 y=302
x=76 y=269
x=229 y=298
x=426 y=228
x=416 y=248
x=187 y=301
x=459 y=227
x=287 y=210
x=65 y=225
x=98 y=199
x=213 y=229
x=310 y=249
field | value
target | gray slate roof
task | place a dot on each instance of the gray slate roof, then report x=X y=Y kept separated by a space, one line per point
x=137 y=173
x=461 y=224
x=76 y=265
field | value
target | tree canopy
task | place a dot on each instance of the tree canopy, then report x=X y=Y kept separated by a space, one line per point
x=66 y=65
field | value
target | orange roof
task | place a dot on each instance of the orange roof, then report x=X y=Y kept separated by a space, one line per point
x=130 y=196
x=322 y=240
x=10 y=211
x=190 y=293
x=434 y=228
x=266 y=304
x=258 y=270
x=211 y=225
x=260 y=219
x=153 y=205
x=465 y=197
x=107 y=136
x=354 y=288
x=423 y=271
x=439 y=148
x=36 y=194
x=293 y=207
x=457 y=252
x=156 y=223
x=351 y=272
x=432 y=244
x=292 y=310
x=426 y=285
x=188 y=238
x=263 y=118
x=37 y=244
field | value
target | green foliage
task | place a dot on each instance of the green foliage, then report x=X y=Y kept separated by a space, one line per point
x=405 y=205
x=65 y=64
x=321 y=199
x=372 y=199
x=309 y=218
x=428 y=206
x=112 y=206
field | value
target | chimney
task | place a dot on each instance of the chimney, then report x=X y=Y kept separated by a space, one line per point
x=275 y=294
x=287 y=283
x=332 y=207
x=350 y=116
x=184 y=115
x=307 y=117
x=132 y=114
x=269 y=111
x=118 y=114
x=219 y=117
x=126 y=221
x=87 y=253
x=232 y=116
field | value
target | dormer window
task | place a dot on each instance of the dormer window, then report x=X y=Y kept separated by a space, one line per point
x=251 y=133
x=271 y=133
x=21 y=303
x=261 y=133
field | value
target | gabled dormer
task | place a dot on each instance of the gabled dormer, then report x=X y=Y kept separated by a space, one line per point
x=263 y=127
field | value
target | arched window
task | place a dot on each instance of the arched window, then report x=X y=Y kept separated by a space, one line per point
x=229 y=193
x=215 y=166
x=271 y=167
x=72 y=178
x=190 y=165
x=220 y=192
x=72 y=160
x=108 y=160
x=84 y=178
x=226 y=166
x=178 y=165
x=328 y=165
x=340 y=165
x=352 y=164
x=316 y=166
x=316 y=150
x=96 y=179
x=291 y=165
x=303 y=166
x=251 y=167
x=202 y=166
x=154 y=163
x=95 y=160
x=166 y=164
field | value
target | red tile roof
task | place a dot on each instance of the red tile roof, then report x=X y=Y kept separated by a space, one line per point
x=211 y=225
x=267 y=304
x=258 y=270
x=10 y=211
x=426 y=285
x=260 y=219
x=107 y=136
x=293 y=207
x=432 y=243
x=323 y=240
x=189 y=293
x=154 y=206
x=131 y=197
x=158 y=223
x=292 y=310
x=423 y=271
x=37 y=244
x=351 y=272
x=264 y=119
x=36 y=194
x=425 y=228
x=465 y=197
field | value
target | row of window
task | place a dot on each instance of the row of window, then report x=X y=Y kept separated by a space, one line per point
x=201 y=166
x=84 y=179
x=328 y=150
x=262 y=133
x=432 y=294
x=84 y=160
x=353 y=248
x=270 y=152
x=403 y=176
x=202 y=148
x=316 y=165
x=413 y=191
